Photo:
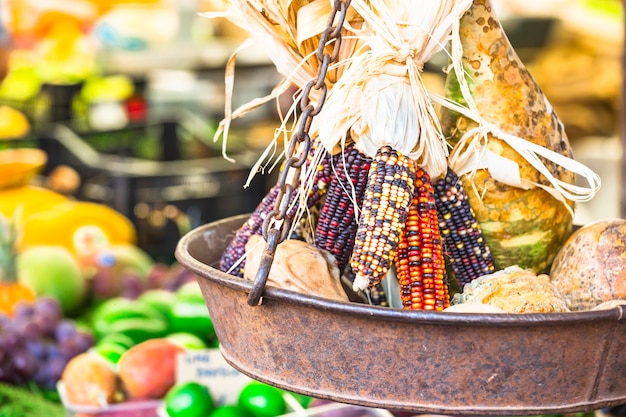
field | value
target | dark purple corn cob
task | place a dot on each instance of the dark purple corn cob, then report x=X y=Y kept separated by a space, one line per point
x=253 y=226
x=337 y=222
x=467 y=251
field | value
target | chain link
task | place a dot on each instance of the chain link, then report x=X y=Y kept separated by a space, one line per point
x=277 y=224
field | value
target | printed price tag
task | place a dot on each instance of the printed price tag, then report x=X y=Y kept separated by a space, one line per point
x=209 y=367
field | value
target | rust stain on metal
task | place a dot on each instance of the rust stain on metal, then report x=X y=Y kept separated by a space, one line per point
x=416 y=361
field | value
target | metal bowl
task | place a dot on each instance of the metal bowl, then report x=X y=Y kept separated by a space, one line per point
x=415 y=361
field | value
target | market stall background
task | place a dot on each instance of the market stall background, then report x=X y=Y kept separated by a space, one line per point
x=124 y=98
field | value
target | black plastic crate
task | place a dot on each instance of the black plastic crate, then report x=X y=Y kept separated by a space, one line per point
x=166 y=140
x=164 y=197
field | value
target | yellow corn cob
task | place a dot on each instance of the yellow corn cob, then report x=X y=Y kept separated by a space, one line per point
x=420 y=263
x=388 y=194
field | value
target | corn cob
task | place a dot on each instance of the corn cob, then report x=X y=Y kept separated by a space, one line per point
x=377 y=296
x=236 y=248
x=468 y=253
x=388 y=194
x=337 y=222
x=234 y=253
x=420 y=263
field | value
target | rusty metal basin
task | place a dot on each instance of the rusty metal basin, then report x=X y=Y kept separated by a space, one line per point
x=415 y=361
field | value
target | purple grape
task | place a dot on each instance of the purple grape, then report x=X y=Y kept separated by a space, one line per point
x=46 y=326
x=179 y=276
x=8 y=374
x=10 y=339
x=7 y=326
x=65 y=328
x=54 y=370
x=85 y=341
x=30 y=329
x=158 y=275
x=23 y=310
x=36 y=348
x=5 y=342
x=47 y=313
x=25 y=364
x=52 y=351
x=71 y=346
x=132 y=286
x=48 y=307
x=42 y=376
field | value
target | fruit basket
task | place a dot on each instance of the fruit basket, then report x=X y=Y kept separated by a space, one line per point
x=416 y=361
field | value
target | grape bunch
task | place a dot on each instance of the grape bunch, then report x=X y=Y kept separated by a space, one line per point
x=37 y=342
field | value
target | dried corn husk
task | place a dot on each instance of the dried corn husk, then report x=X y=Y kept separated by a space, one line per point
x=293 y=260
x=381 y=98
x=289 y=31
x=386 y=43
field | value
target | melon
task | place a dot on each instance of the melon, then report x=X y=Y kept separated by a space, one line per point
x=590 y=268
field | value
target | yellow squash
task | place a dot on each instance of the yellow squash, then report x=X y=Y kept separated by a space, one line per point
x=64 y=223
x=29 y=199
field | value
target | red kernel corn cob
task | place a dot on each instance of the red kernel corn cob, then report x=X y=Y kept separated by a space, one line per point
x=465 y=246
x=386 y=202
x=337 y=222
x=420 y=263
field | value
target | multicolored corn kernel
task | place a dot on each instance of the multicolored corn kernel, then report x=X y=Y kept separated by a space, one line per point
x=468 y=253
x=337 y=222
x=323 y=177
x=233 y=260
x=386 y=202
x=420 y=262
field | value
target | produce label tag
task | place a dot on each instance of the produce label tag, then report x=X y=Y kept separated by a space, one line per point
x=208 y=367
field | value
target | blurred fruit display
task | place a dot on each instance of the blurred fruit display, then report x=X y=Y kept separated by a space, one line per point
x=37 y=342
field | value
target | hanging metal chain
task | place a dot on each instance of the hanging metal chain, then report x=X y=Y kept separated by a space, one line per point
x=277 y=224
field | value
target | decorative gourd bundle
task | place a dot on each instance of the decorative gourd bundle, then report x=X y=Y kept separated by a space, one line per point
x=392 y=197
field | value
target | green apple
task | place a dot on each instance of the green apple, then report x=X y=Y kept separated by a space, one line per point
x=53 y=271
